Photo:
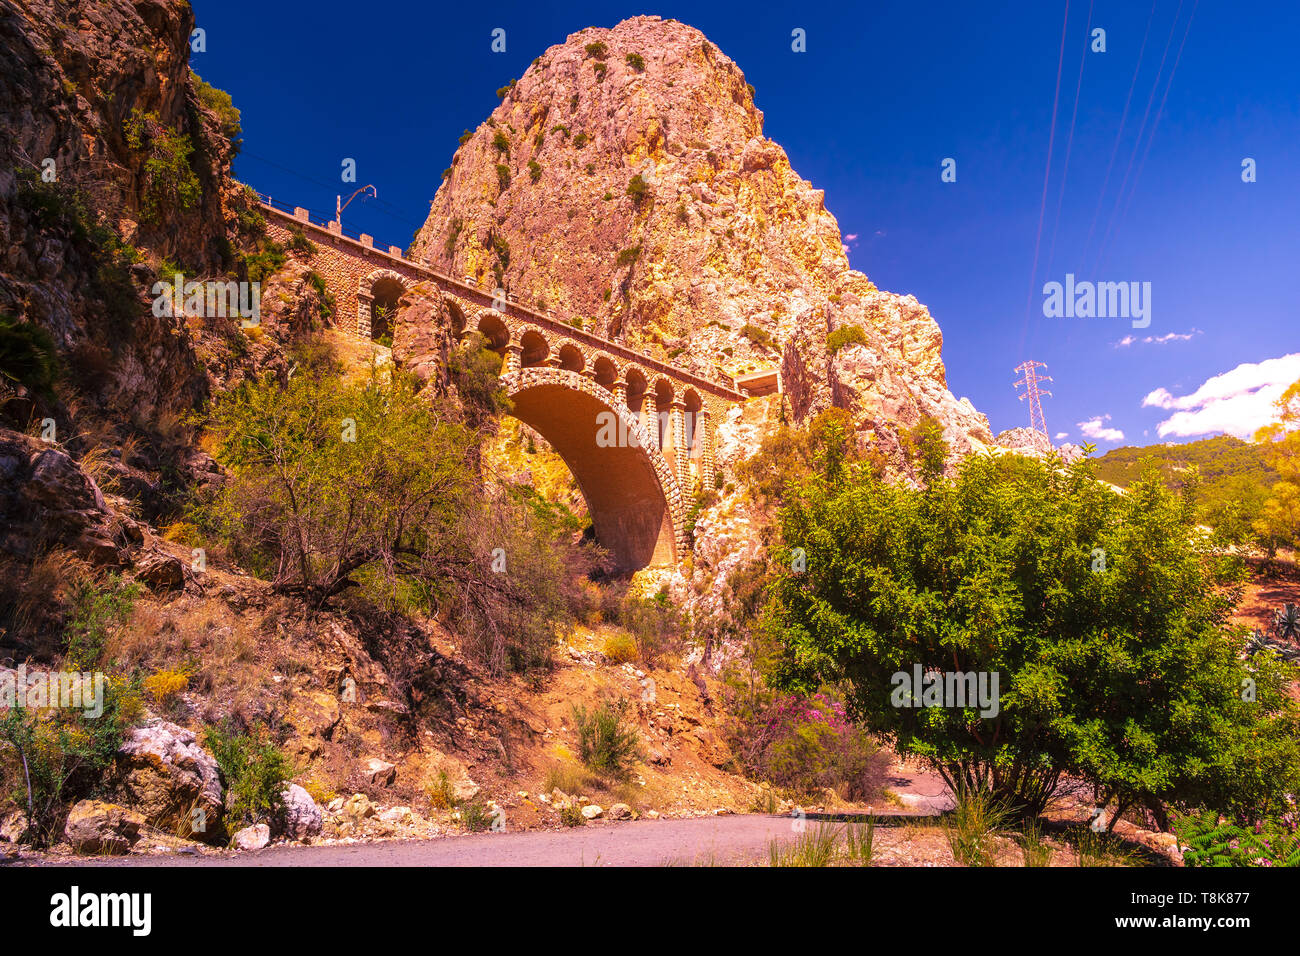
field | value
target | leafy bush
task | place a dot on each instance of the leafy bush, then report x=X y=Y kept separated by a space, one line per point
x=503 y=176
x=27 y=354
x=758 y=335
x=808 y=745
x=168 y=180
x=269 y=259
x=254 y=771
x=96 y=612
x=844 y=336
x=475 y=816
x=620 y=648
x=502 y=142
x=534 y=170
x=219 y=102
x=398 y=506
x=62 y=755
x=1129 y=678
x=298 y=242
x=453 y=233
x=580 y=141
x=638 y=189
x=1211 y=842
x=635 y=61
x=627 y=256
x=606 y=745
x=597 y=49
x=571 y=816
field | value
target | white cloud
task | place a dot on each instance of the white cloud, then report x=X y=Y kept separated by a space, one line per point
x=1060 y=435
x=851 y=237
x=1236 y=402
x=1128 y=340
x=1095 y=428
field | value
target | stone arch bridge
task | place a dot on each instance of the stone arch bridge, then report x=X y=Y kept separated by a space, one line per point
x=637 y=433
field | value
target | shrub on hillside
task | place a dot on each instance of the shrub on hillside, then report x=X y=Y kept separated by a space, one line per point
x=606 y=744
x=808 y=744
x=845 y=336
x=1126 y=676
x=254 y=771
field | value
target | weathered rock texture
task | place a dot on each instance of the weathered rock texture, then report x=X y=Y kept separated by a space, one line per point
x=168 y=775
x=719 y=255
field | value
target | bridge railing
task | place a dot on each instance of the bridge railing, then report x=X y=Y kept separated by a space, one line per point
x=545 y=319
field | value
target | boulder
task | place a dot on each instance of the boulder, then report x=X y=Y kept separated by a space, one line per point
x=160 y=571
x=13 y=827
x=301 y=818
x=357 y=807
x=166 y=774
x=592 y=812
x=97 y=827
x=254 y=837
x=465 y=789
x=380 y=772
x=620 y=811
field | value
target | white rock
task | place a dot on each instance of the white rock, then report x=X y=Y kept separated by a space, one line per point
x=591 y=811
x=254 y=837
x=302 y=816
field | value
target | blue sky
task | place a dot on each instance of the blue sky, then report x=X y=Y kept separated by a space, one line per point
x=885 y=92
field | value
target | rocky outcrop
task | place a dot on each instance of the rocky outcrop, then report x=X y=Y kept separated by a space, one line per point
x=166 y=774
x=45 y=497
x=625 y=179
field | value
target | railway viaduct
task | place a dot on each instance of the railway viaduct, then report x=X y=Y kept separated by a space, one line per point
x=637 y=433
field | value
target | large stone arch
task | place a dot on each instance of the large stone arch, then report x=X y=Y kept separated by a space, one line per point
x=377 y=280
x=632 y=494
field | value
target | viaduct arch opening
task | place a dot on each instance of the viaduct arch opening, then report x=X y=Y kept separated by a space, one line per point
x=629 y=489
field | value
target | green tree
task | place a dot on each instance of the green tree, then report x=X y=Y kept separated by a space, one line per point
x=1279 y=520
x=370 y=484
x=1122 y=671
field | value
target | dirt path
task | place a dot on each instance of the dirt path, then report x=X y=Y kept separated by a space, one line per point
x=740 y=839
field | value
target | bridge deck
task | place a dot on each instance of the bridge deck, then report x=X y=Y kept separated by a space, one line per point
x=301 y=218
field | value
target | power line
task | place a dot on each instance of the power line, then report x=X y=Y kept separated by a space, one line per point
x=1069 y=143
x=1042 y=203
x=1110 y=222
x=1119 y=135
x=1156 y=122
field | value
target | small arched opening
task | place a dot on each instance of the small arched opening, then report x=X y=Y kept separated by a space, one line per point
x=493 y=328
x=636 y=389
x=385 y=292
x=692 y=437
x=534 y=349
x=606 y=372
x=571 y=358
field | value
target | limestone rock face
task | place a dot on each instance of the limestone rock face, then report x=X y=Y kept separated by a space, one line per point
x=625 y=180
x=166 y=773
